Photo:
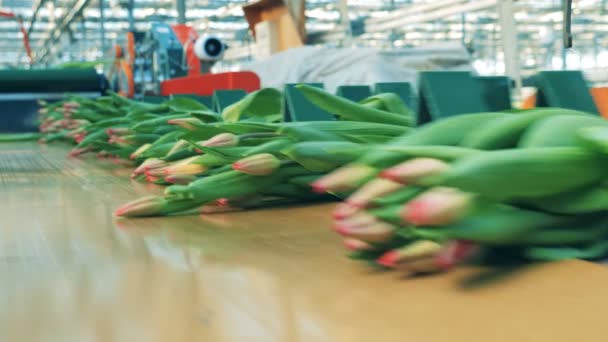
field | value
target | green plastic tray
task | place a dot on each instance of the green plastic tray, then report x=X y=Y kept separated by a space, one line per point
x=296 y=107
x=354 y=92
x=496 y=92
x=448 y=93
x=402 y=89
x=224 y=98
x=564 y=89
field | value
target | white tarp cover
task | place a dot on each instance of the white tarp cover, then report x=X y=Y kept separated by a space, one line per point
x=334 y=66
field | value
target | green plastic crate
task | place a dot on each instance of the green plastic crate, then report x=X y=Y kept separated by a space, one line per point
x=564 y=89
x=155 y=99
x=496 y=92
x=447 y=93
x=354 y=92
x=206 y=100
x=402 y=89
x=296 y=106
x=224 y=98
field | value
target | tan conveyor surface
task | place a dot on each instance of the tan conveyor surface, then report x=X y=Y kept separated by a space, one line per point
x=71 y=272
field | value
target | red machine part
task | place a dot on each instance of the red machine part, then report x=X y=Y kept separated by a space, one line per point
x=121 y=71
x=130 y=49
x=206 y=84
x=188 y=36
x=125 y=78
x=26 y=40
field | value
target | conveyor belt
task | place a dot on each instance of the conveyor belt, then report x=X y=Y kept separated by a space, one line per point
x=73 y=273
x=50 y=81
x=25 y=162
x=21 y=89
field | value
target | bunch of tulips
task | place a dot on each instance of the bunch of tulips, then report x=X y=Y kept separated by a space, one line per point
x=526 y=184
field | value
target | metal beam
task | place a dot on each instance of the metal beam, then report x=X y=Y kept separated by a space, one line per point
x=130 y=15
x=36 y=8
x=102 y=26
x=414 y=9
x=345 y=21
x=73 y=12
x=415 y=16
x=508 y=35
x=567 y=22
x=181 y=11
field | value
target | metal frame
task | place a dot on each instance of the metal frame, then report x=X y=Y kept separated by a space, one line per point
x=73 y=13
x=508 y=33
x=36 y=6
x=387 y=24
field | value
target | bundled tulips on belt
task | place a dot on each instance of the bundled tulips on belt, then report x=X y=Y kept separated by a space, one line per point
x=110 y=124
x=242 y=158
x=244 y=164
x=529 y=185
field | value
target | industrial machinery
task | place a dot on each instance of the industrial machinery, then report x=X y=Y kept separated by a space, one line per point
x=172 y=59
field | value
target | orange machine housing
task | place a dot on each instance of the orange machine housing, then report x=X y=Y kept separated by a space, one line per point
x=599 y=94
x=206 y=84
x=187 y=36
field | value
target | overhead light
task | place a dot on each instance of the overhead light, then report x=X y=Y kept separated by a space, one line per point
x=551 y=17
x=587 y=62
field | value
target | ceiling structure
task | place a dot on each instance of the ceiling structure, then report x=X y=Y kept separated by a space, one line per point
x=70 y=30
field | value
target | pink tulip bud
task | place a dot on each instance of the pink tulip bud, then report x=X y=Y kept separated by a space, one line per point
x=356 y=245
x=180 y=144
x=344 y=210
x=223 y=139
x=258 y=165
x=190 y=124
x=78 y=138
x=121 y=141
x=143 y=148
x=368 y=192
x=357 y=220
x=148 y=164
x=438 y=206
x=184 y=169
x=374 y=232
x=412 y=171
x=455 y=252
x=118 y=131
x=141 y=207
x=71 y=104
x=418 y=250
x=222 y=202
x=343 y=179
x=78 y=151
x=155 y=173
x=151 y=179
x=180 y=179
